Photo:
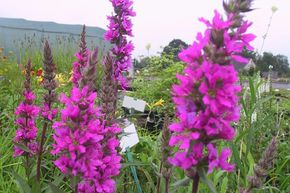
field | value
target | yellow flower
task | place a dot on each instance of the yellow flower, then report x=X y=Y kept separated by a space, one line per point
x=158 y=103
x=61 y=79
x=39 y=79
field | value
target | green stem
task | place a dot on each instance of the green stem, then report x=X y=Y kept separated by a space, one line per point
x=27 y=167
x=74 y=183
x=40 y=150
x=159 y=179
x=195 y=183
x=166 y=185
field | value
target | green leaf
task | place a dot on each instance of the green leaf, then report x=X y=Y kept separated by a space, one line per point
x=54 y=188
x=205 y=180
x=58 y=180
x=36 y=187
x=184 y=182
x=236 y=155
x=217 y=177
x=135 y=163
x=251 y=164
x=22 y=184
x=22 y=147
x=253 y=91
x=224 y=185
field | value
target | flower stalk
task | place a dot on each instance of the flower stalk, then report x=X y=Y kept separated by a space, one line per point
x=48 y=113
x=206 y=98
x=82 y=60
x=109 y=91
x=120 y=28
x=26 y=112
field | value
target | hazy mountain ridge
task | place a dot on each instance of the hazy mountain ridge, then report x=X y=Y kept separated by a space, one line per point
x=20 y=34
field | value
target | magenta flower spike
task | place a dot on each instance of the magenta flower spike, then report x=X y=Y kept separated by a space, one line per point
x=26 y=114
x=119 y=28
x=206 y=98
x=85 y=146
x=82 y=60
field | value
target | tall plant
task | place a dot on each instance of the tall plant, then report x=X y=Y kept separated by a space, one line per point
x=119 y=28
x=206 y=98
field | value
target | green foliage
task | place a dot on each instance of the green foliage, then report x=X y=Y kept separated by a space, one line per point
x=155 y=82
x=173 y=49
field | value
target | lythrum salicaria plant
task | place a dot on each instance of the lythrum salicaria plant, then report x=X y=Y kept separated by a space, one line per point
x=47 y=111
x=206 y=98
x=26 y=134
x=84 y=143
x=119 y=28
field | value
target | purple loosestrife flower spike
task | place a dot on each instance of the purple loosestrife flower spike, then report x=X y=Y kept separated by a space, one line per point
x=82 y=59
x=47 y=112
x=206 y=98
x=26 y=114
x=262 y=167
x=109 y=91
x=119 y=28
x=166 y=151
x=84 y=145
x=49 y=84
x=89 y=72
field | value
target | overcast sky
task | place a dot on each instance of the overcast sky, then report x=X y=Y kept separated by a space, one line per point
x=157 y=21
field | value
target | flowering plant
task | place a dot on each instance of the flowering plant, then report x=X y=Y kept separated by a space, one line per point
x=206 y=98
x=119 y=28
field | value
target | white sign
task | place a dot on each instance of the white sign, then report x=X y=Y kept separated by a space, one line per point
x=131 y=103
x=130 y=138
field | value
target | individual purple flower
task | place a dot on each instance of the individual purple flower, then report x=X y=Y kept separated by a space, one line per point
x=26 y=114
x=206 y=98
x=221 y=161
x=119 y=28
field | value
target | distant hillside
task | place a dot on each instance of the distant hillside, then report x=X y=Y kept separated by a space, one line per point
x=20 y=35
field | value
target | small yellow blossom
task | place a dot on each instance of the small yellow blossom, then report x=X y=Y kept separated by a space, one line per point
x=39 y=79
x=159 y=103
x=61 y=79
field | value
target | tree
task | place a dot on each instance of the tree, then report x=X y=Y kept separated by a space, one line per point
x=279 y=62
x=173 y=49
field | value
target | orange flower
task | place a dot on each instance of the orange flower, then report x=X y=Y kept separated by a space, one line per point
x=39 y=72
